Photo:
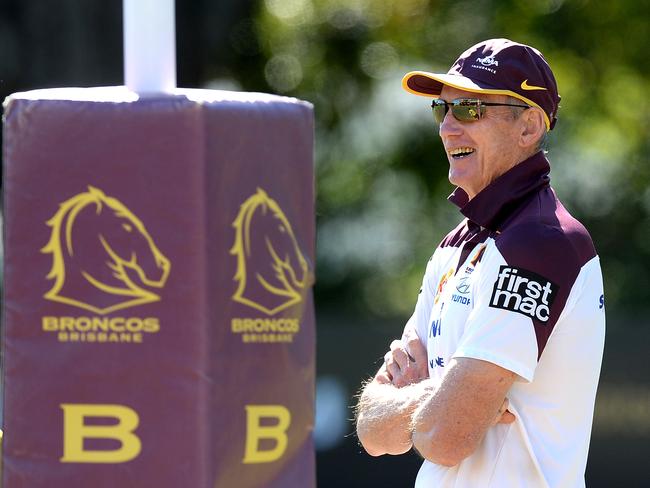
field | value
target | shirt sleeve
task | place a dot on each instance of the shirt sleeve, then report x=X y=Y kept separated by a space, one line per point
x=497 y=335
x=520 y=292
x=420 y=318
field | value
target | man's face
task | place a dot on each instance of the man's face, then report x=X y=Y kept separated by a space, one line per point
x=492 y=142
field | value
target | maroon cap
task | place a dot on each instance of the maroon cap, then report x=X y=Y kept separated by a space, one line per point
x=496 y=66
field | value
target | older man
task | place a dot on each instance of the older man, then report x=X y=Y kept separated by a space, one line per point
x=495 y=377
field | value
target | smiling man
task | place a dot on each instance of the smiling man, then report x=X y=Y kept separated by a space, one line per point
x=494 y=379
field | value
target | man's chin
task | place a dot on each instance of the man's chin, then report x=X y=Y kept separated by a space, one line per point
x=456 y=178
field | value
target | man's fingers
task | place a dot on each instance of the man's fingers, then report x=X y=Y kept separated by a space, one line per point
x=391 y=366
x=406 y=362
x=507 y=418
x=388 y=357
x=418 y=354
x=383 y=378
x=401 y=358
x=397 y=364
x=503 y=415
x=393 y=370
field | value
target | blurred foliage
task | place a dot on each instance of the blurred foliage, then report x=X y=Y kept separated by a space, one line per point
x=381 y=170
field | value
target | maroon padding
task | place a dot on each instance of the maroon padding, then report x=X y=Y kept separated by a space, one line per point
x=183 y=165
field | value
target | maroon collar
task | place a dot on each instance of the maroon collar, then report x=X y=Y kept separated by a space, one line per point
x=492 y=205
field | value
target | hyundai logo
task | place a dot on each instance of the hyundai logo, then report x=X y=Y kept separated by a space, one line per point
x=463 y=285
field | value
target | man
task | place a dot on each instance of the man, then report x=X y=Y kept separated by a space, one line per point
x=495 y=377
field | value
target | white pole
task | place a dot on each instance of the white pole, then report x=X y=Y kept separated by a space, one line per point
x=149 y=46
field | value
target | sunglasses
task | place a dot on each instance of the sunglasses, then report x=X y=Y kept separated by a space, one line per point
x=465 y=109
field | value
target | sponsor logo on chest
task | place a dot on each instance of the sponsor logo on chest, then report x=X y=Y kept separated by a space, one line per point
x=437 y=362
x=524 y=292
x=463 y=287
x=460 y=299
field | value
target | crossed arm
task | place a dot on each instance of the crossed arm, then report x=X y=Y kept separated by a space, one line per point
x=402 y=408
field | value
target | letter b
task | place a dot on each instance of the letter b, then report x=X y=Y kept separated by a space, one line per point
x=75 y=431
x=255 y=432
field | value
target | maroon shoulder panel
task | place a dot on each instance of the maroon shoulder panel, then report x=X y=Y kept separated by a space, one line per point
x=542 y=238
x=158 y=319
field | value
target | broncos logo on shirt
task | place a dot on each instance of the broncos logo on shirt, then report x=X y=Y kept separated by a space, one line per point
x=442 y=283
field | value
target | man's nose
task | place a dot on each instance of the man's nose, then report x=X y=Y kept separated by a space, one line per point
x=450 y=126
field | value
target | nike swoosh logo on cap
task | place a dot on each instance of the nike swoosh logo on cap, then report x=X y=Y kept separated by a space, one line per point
x=526 y=86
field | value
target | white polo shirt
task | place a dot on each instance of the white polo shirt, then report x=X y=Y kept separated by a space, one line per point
x=518 y=283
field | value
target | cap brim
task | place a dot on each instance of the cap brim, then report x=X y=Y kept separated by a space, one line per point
x=430 y=85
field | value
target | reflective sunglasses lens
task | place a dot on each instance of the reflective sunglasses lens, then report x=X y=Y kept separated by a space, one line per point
x=467 y=110
x=439 y=108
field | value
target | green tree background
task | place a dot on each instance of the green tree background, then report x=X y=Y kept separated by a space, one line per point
x=381 y=170
x=380 y=167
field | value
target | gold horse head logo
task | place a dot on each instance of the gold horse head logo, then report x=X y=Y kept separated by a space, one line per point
x=272 y=273
x=103 y=258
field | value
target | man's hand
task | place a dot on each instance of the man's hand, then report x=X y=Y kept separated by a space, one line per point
x=504 y=416
x=384 y=414
x=406 y=362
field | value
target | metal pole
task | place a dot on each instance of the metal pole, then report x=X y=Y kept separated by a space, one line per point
x=149 y=46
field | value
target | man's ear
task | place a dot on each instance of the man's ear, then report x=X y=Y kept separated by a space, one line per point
x=533 y=127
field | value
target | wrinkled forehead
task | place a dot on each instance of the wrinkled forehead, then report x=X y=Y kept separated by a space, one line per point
x=450 y=93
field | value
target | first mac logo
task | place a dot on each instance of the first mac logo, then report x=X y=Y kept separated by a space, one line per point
x=524 y=292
